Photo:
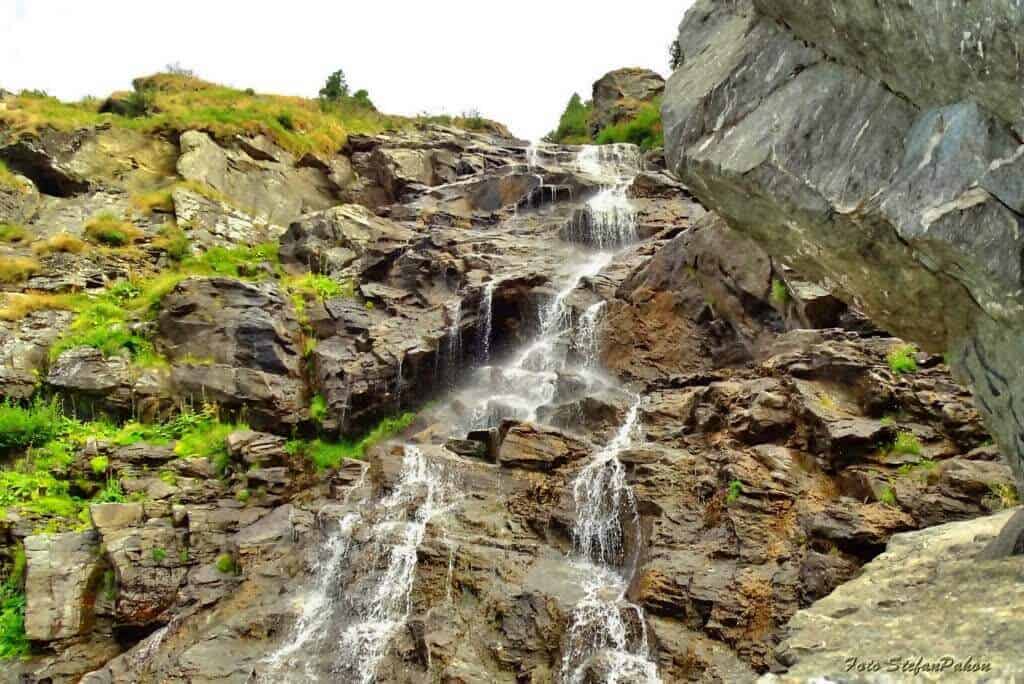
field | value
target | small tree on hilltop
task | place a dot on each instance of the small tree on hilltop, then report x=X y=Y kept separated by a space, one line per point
x=336 y=87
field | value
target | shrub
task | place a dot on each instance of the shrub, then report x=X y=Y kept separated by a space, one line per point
x=780 y=293
x=207 y=438
x=12 y=233
x=111 y=493
x=60 y=243
x=907 y=443
x=17 y=269
x=242 y=495
x=13 y=641
x=314 y=287
x=644 y=130
x=26 y=426
x=734 y=492
x=887 y=496
x=174 y=242
x=318 y=408
x=99 y=465
x=226 y=564
x=159 y=555
x=903 y=359
x=574 y=124
x=108 y=229
x=326 y=455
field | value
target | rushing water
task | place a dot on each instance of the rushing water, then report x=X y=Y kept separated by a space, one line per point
x=485 y=328
x=361 y=597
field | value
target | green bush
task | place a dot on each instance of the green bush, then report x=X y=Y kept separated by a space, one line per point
x=111 y=493
x=33 y=425
x=574 y=125
x=226 y=564
x=735 y=490
x=903 y=359
x=326 y=455
x=13 y=641
x=108 y=229
x=318 y=408
x=907 y=443
x=99 y=464
x=159 y=555
x=12 y=233
x=780 y=293
x=644 y=130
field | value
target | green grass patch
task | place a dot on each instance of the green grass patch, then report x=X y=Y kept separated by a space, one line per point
x=13 y=233
x=318 y=408
x=326 y=455
x=907 y=443
x=644 y=130
x=310 y=287
x=99 y=465
x=159 y=555
x=887 y=496
x=903 y=359
x=226 y=564
x=207 y=438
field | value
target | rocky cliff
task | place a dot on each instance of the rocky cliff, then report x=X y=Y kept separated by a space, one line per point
x=876 y=148
x=433 y=405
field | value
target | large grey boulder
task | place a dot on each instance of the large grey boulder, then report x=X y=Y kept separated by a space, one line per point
x=619 y=94
x=877 y=617
x=888 y=178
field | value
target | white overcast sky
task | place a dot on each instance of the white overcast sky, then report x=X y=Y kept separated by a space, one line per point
x=517 y=62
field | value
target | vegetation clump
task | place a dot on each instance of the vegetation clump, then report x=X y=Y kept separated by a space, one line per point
x=903 y=359
x=734 y=492
x=13 y=233
x=907 y=443
x=13 y=641
x=326 y=455
x=780 y=293
x=574 y=125
x=644 y=130
x=110 y=230
x=17 y=269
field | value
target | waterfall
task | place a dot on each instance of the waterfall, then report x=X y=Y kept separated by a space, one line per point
x=362 y=594
x=586 y=340
x=377 y=611
x=486 y=323
x=453 y=342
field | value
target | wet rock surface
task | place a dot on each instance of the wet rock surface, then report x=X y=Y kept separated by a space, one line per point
x=760 y=472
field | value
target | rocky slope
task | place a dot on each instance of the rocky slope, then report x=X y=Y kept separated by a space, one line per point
x=641 y=443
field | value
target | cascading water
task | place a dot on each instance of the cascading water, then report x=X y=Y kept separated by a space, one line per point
x=374 y=616
x=485 y=327
x=361 y=597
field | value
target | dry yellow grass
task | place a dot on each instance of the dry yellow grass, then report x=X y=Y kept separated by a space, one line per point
x=63 y=243
x=17 y=269
x=155 y=200
x=18 y=305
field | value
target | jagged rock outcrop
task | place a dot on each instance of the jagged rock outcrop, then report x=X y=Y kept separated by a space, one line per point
x=915 y=582
x=876 y=149
x=618 y=96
